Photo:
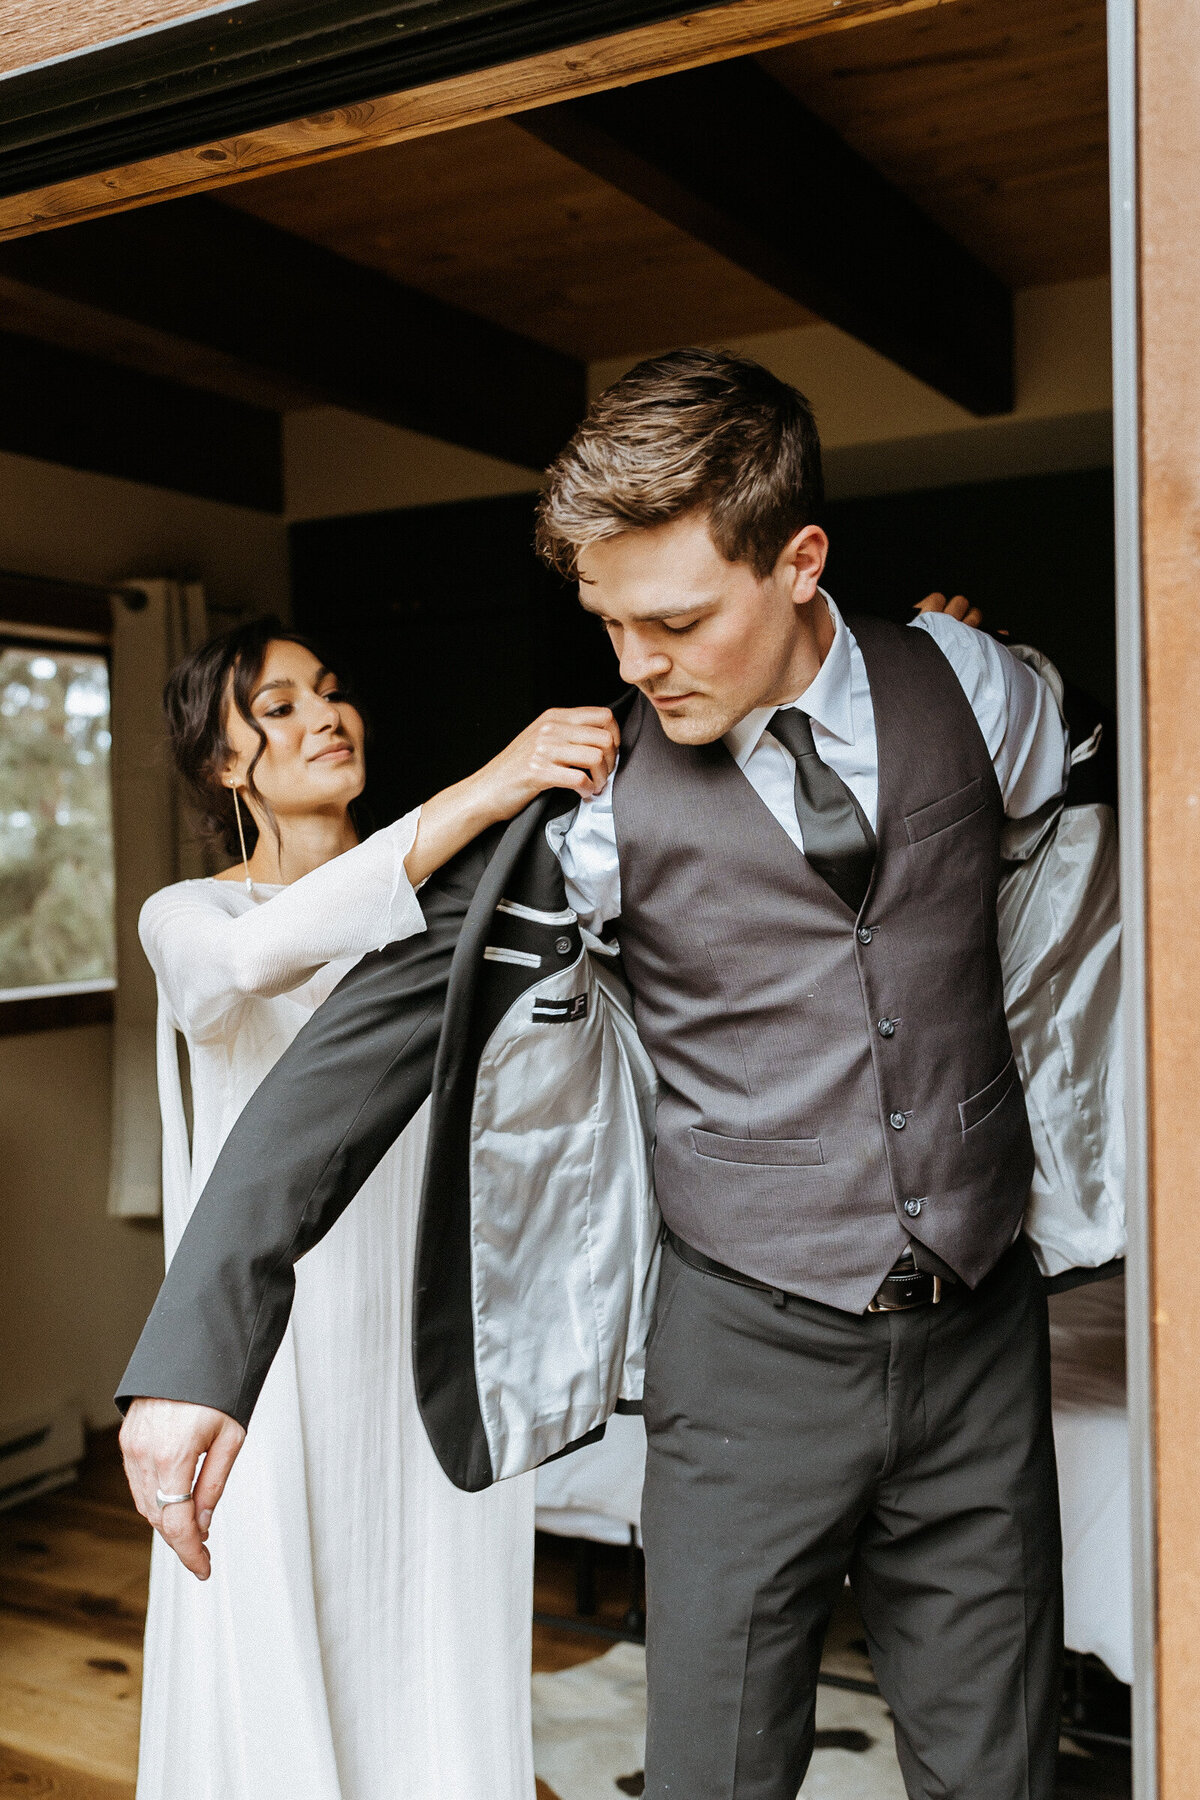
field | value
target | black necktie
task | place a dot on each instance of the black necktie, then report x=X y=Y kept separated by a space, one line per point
x=838 y=841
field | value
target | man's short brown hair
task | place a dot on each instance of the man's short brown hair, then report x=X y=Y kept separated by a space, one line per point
x=696 y=430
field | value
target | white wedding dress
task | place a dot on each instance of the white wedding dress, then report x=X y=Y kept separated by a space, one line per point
x=365 y=1633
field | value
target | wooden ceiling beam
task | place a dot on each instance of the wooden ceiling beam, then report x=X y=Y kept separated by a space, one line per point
x=208 y=275
x=729 y=156
x=494 y=85
x=78 y=412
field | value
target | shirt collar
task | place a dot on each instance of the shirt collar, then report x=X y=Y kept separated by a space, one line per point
x=827 y=699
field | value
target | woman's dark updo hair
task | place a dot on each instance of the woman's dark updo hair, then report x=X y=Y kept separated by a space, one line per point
x=195 y=700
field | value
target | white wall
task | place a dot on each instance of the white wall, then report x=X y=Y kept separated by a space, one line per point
x=75 y=1286
x=339 y=462
x=81 y=527
x=883 y=431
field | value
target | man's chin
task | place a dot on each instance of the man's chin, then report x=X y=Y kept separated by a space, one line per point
x=691 y=725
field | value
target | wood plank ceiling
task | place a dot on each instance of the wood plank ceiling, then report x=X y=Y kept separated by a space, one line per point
x=986 y=115
x=493 y=221
x=989 y=113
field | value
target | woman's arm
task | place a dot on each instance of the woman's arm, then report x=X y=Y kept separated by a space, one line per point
x=572 y=747
x=209 y=961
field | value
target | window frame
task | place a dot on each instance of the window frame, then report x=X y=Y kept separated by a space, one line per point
x=37 y=612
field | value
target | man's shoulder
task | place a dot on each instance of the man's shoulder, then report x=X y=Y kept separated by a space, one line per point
x=975 y=656
x=917 y=642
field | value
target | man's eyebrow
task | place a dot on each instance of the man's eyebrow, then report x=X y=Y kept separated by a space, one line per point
x=669 y=610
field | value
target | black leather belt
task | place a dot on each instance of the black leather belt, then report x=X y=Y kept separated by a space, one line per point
x=899 y=1291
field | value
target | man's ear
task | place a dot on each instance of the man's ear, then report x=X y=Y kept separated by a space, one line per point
x=802 y=563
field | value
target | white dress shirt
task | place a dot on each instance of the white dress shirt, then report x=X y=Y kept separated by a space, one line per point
x=1017 y=714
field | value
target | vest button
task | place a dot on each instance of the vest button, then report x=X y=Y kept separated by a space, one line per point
x=897 y=1121
x=865 y=934
x=562 y=945
x=887 y=1028
x=912 y=1208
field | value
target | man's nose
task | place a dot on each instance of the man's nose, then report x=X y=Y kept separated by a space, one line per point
x=641 y=663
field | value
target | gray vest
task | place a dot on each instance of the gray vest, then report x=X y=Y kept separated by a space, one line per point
x=829 y=1086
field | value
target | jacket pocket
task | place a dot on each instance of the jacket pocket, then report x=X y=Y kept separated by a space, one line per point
x=951 y=809
x=775 y=1153
x=982 y=1105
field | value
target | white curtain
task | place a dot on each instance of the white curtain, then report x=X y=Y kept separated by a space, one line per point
x=155 y=623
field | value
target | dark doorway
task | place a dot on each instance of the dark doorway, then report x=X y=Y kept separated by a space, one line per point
x=1036 y=553
x=452 y=631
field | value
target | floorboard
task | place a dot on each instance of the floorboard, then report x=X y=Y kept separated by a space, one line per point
x=85 y=1567
x=68 y=1697
x=24 y=1777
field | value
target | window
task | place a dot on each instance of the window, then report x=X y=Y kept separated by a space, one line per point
x=57 y=940
x=56 y=859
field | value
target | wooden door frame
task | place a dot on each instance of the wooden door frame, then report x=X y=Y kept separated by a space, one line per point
x=1156 y=78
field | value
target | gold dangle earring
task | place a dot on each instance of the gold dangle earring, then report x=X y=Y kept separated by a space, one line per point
x=237 y=813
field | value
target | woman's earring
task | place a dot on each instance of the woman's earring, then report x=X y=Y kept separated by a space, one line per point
x=237 y=813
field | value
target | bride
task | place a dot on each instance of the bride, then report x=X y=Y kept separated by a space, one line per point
x=363 y=1628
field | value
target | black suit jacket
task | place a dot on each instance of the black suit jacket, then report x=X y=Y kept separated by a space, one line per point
x=407 y=1021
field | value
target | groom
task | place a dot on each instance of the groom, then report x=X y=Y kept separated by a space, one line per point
x=847 y=1372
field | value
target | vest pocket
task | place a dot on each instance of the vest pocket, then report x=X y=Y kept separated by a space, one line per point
x=951 y=809
x=982 y=1105
x=775 y=1153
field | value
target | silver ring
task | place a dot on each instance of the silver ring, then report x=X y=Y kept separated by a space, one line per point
x=170 y=1499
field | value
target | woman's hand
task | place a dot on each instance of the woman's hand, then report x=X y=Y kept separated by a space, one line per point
x=568 y=747
x=163 y=1443
x=958 y=608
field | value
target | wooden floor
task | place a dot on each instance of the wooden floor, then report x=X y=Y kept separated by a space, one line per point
x=74 y=1570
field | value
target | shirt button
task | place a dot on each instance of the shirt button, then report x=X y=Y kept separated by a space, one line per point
x=887 y=1027
x=912 y=1208
x=865 y=934
x=897 y=1121
x=562 y=945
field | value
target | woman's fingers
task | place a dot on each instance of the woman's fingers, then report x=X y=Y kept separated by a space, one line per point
x=575 y=747
x=582 y=767
x=214 y=1472
x=580 y=715
x=178 y=1527
x=958 y=607
x=162 y=1442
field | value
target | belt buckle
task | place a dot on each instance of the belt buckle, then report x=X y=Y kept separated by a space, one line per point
x=881 y=1306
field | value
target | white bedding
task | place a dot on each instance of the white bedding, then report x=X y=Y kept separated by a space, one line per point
x=596 y=1493
x=1091 y=1434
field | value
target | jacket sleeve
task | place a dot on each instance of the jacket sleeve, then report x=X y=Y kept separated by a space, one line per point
x=315 y=1128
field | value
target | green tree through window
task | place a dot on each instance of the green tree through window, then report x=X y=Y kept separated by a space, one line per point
x=56 y=855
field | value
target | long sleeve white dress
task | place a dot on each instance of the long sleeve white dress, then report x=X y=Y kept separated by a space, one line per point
x=365 y=1633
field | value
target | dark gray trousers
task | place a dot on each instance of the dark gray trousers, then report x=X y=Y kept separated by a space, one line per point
x=791 y=1446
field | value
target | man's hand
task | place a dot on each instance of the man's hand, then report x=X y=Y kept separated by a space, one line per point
x=958 y=608
x=162 y=1441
